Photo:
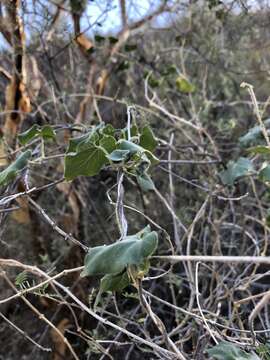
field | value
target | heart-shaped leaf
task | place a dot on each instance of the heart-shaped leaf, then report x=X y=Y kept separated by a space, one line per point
x=88 y=159
x=88 y=162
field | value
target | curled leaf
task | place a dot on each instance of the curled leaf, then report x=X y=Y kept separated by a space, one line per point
x=13 y=169
x=114 y=258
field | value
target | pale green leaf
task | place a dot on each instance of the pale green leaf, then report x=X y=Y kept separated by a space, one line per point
x=13 y=169
x=184 y=86
x=130 y=146
x=118 y=155
x=114 y=258
x=235 y=170
x=228 y=351
x=137 y=149
x=254 y=135
x=145 y=182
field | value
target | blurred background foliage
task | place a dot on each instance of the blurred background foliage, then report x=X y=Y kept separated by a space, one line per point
x=192 y=57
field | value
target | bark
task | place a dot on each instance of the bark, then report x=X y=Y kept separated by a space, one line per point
x=17 y=99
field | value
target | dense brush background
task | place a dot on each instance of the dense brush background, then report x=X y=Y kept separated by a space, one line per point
x=216 y=45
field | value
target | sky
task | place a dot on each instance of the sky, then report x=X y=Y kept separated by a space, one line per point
x=101 y=16
x=136 y=9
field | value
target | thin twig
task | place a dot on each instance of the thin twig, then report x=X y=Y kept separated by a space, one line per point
x=23 y=333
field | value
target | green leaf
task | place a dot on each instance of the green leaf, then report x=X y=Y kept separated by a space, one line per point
x=47 y=132
x=145 y=182
x=145 y=231
x=29 y=134
x=91 y=50
x=99 y=38
x=78 y=6
x=130 y=47
x=153 y=159
x=263 y=350
x=113 y=259
x=138 y=150
x=264 y=174
x=74 y=142
x=12 y=170
x=112 y=282
x=87 y=140
x=184 y=86
x=130 y=146
x=153 y=81
x=227 y=351
x=147 y=139
x=259 y=150
x=21 y=278
x=112 y=40
x=108 y=130
x=118 y=155
x=214 y=3
x=118 y=282
x=235 y=170
x=170 y=70
x=134 y=131
x=88 y=162
x=88 y=159
x=254 y=135
x=108 y=143
x=124 y=65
